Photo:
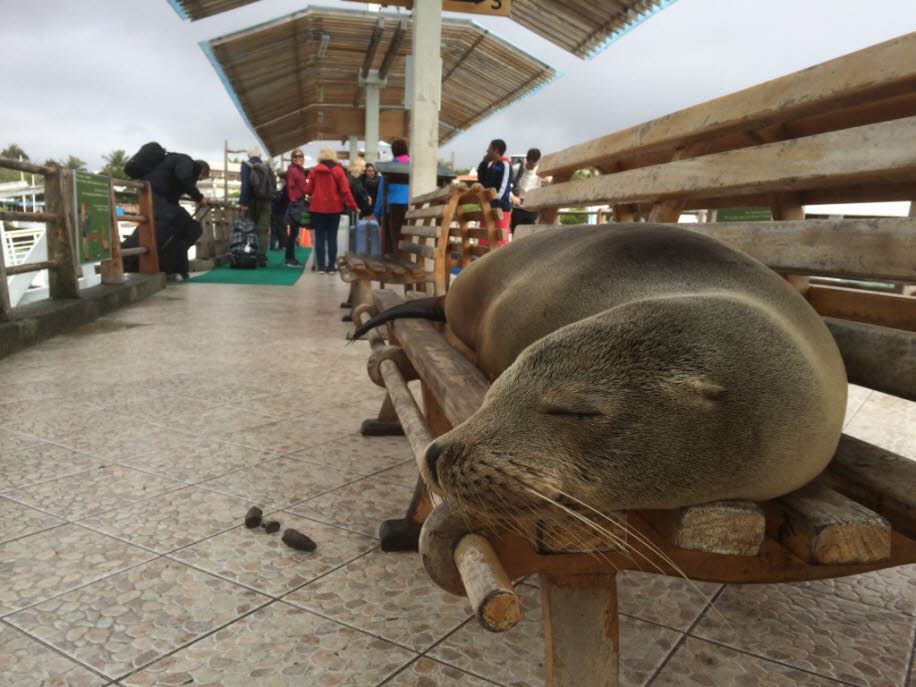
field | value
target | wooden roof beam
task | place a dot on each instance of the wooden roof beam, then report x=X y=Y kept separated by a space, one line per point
x=393 y=48
x=373 y=46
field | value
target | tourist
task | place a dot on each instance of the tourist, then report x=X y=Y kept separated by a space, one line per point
x=296 y=182
x=392 y=200
x=278 y=216
x=176 y=231
x=527 y=180
x=254 y=200
x=495 y=171
x=329 y=193
x=363 y=220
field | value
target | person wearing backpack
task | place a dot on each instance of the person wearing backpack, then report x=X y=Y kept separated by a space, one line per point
x=329 y=192
x=259 y=184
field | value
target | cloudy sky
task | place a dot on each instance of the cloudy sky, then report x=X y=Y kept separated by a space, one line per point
x=85 y=77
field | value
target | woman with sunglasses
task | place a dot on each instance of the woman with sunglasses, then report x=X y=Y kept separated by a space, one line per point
x=296 y=180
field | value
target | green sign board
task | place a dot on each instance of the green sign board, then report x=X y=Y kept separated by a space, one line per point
x=744 y=215
x=93 y=216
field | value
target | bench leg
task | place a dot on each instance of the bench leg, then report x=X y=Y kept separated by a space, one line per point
x=360 y=293
x=581 y=630
x=385 y=425
x=403 y=534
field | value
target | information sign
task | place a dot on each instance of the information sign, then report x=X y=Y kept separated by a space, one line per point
x=93 y=216
x=762 y=214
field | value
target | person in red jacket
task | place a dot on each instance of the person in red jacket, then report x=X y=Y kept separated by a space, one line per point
x=329 y=192
x=296 y=179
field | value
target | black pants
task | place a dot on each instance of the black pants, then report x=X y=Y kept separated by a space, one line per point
x=176 y=232
x=391 y=234
x=520 y=216
x=293 y=215
x=325 y=225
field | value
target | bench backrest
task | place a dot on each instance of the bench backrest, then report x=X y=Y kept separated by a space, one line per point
x=842 y=131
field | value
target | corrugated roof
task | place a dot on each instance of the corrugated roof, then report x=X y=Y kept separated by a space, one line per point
x=289 y=95
x=583 y=27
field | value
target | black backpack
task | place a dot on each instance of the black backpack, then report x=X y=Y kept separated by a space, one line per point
x=263 y=181
x=243 y=244
x=144 y=160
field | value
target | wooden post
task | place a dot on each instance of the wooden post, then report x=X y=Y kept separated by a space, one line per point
x=63 y=280
x=6 y=311
x=624 y=213
x=788 y=207
x=113 y=269
x=581 y=630
x=226 y=170
x=149 y=261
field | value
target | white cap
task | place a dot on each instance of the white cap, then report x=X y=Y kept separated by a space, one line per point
x=254 y=151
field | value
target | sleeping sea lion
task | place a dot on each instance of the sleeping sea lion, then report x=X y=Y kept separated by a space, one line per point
x=639 y=366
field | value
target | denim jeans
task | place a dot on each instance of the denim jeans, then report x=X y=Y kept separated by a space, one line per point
x=367 y=239
x=325 y=226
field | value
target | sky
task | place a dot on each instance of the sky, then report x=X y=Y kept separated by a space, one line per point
x=85 y=77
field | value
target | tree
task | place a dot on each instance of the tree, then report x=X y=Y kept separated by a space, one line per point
x=14 y=152
x=73 y=162
x=115 y=160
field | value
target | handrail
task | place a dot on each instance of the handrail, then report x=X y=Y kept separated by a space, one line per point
x=23 y=166
x=28 y=216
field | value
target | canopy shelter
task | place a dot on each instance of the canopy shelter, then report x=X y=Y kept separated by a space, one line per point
x=298 y=78
x=583 y=27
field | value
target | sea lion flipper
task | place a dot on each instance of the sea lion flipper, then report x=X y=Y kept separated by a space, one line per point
x=424 y=308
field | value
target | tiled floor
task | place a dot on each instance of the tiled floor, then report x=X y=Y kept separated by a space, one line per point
x=131 y=449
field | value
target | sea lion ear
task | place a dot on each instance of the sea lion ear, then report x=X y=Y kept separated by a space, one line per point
x=697 y=389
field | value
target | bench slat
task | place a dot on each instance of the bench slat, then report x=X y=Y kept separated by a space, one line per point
x=877 y=357
x=825 y=160
x=878 y=72
x=877 y=478
x=416 y=249
x=457 y=385
x=432 y=232
x=478 y=216
x=435 y=211
x=882 y=309
x=437 y=195
x=725 y=527
x=824 y=527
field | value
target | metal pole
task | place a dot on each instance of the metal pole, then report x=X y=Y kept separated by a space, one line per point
x=427 y=83
x=354 y=147
x=226 y=170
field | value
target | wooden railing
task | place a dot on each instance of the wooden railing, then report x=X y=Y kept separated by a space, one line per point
x=216 y=226
x=63 y=268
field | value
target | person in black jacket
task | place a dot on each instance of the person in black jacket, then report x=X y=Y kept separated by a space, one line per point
x=176 y=230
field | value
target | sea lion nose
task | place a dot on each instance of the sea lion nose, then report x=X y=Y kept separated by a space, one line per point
x=432 y=457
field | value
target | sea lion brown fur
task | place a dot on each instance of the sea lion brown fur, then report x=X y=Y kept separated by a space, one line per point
x=634 y=367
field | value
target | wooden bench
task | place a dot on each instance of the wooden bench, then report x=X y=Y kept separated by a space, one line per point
x=841 y=131
x=437 y=235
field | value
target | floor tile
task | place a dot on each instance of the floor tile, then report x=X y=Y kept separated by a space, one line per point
x=278 y=646
x=172 y=520
x=516 y=657
x=216 y=421
x=702 y=664
x=263 y=562
x=280 y=482
x=25 y=662
x=198 y=459
x=663 y=600
x=359 y=454
x=823 y=634
x=427 y=673
x=93 y=491
x=49 y=563
x=284 y=404
x=893 y=589
x=287 y=436
x=406 y=473
x=360 y=506
x=126 y=621
x=388 y=595
x=26 y=460
x=856 y=397
x=17 y=520
x=888 y=422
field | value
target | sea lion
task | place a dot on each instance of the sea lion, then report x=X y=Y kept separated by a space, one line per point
x=640 y=366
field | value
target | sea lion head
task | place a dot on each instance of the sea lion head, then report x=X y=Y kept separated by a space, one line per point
x=654 y=404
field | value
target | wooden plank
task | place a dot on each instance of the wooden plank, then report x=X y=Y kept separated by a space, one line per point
x=456 y=384
x=149 y=261
x=581 y=630
x=439 y=194
x=823 y=527
x=877 y=478
x=63 y=280
x=837 y=158
x=875 y=73
x=430 y=232
x=479 y=215
x=883 y=309
x=877 y=357
x=10 y=216
x=6 y=311
x=735 y=528
x=433 y=212
x=113 y=269
x=27 y=267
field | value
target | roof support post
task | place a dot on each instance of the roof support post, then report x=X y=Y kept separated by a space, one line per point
x=354 y=147
x=373 y=85
x=427 y=83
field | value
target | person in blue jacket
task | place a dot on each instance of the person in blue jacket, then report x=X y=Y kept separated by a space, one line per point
x=398 y=197
x=495 y=171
